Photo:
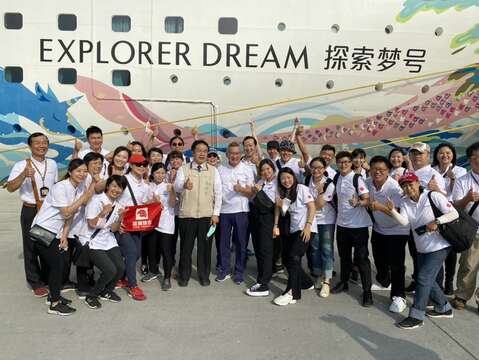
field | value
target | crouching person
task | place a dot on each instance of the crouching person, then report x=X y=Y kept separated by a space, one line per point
x=104 y=217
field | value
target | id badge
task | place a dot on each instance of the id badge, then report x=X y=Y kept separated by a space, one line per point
x=44 y=191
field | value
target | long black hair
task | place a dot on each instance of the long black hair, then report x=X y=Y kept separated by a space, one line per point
x=118 y=150
x=143 y=150
x=292 y=192
x=435 y=161
x=74 y=164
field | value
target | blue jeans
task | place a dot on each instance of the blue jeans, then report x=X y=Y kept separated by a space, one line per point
x=130 y=246
x=321 y=253
x=426 y=286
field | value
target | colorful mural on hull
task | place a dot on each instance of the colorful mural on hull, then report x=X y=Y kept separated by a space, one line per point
x=450 y=102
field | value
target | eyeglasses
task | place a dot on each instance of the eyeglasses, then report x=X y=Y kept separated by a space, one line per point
x=317 y=168
x=177 y=144
x=344 y=162
x=141 y=165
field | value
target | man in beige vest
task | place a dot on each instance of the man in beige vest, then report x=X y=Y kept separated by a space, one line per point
x=199 y=186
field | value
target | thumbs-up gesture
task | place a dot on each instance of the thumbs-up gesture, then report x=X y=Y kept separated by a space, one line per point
x=237 y=187
x=472 y=195
x=29 y=171
x=354 y=201
x=78 y=145
x=432 y=184
x=390 y=204
x=188 y=184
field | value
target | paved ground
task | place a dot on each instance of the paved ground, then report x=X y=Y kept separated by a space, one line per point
x=219 y=322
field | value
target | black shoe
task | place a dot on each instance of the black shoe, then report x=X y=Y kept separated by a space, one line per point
x=410 y=323
x=81 y=294
x=334 y=273
x=340 y=287
x=62 y=300
x=411 y=288
x=92 y=302
x=166 y=284
x=110 y=296
x=68 y=286
x=367 y=299
x=144 y=269
x=449 y=289
x=182 y=283
x=205 y=282
x=61 y=309
x=434 y=314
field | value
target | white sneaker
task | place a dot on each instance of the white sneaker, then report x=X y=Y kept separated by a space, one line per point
x=324 y=293
x=258 y=290
x=376 y=287
x=398 y=305
x=284 y=300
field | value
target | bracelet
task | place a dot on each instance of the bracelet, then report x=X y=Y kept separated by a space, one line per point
x=309 y=222
x=275 y=225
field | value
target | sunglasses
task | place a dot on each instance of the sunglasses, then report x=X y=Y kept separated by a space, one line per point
x=177 y=144
x=141 y=165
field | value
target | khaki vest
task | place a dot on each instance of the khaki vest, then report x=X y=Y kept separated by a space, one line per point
x=198 y=202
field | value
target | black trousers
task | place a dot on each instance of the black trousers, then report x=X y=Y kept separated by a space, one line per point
x=413 y=253
x=55 y=260
x=294 y=249
x=175 y=238
x=191 y=229
x=357 y=239
x=112 y=267
x=164 y=242
x=389 y=253
x=262 y=236
x=151 y=248
x=35 y=269
x=85 y=278
x=279 y=258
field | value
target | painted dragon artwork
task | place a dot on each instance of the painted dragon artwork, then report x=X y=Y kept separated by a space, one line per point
x=449 y=103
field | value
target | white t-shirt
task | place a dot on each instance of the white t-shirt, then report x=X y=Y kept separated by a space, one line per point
x=232 y=201
x=331 y=172
x=326 y=215
x=104 y=152
x=462 y=187
x=104 y=239
x=298 y=210
x=293 y=164
x=270 y=188
x=140 y=190
x=425 y=174
x=385 y=224
x=166 y=224
x=458 y=172
x=50 y=176
x=348 y=216
x=420 y=214
x=251 y=166
x=61 y=195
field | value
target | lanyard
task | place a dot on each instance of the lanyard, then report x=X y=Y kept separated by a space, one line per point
x=42 y=176
x=474 y=178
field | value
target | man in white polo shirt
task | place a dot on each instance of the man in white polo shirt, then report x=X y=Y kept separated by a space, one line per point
x=44 y=172
x=466 y=196
x=419 y=155
x=94 y=137
x=235 y=177
x=327 y=153
x=352 y=222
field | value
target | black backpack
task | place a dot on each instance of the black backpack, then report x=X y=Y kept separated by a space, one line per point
x=307 y=181
x=461 y=232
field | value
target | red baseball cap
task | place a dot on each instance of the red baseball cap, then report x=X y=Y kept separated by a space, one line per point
x=137 y=159
x=408 y=177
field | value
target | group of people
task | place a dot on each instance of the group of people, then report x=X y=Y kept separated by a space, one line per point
x=290 y=207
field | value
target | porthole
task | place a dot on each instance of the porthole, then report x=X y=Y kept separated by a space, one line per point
x=278 y=82
x=227 y=80
x=174 y=78
x=330 y=84
x=389 y=29
x=439 y=31
x=425 y=89
x=281 y=26
x=335 y=28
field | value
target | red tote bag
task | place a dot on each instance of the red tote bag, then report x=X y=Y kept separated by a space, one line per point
x=141 y=217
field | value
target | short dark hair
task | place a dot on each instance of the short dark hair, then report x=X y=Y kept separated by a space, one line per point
x=175 y=154
x=73 y=165
x=118 y=179
x=35 y=135
x=320 y=159
x=249 y=137
x=292 y=193
x=92 y=156
x=358 y=152
x=143 y=150
x=93 y=130
x=268 y=162
x=343 y=154
x=198 y=142
x=327 y=147
x=380 y=159
x=155 y=149
x=273 y=144
x=471 y=149
x=435 y=162
x=154 y=168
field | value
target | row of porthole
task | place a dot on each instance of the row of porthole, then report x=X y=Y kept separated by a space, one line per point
x=388 y=29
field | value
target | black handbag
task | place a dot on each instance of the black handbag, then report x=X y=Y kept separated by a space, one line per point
x=461 y=232
x=263 y=203
x=41 y=235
